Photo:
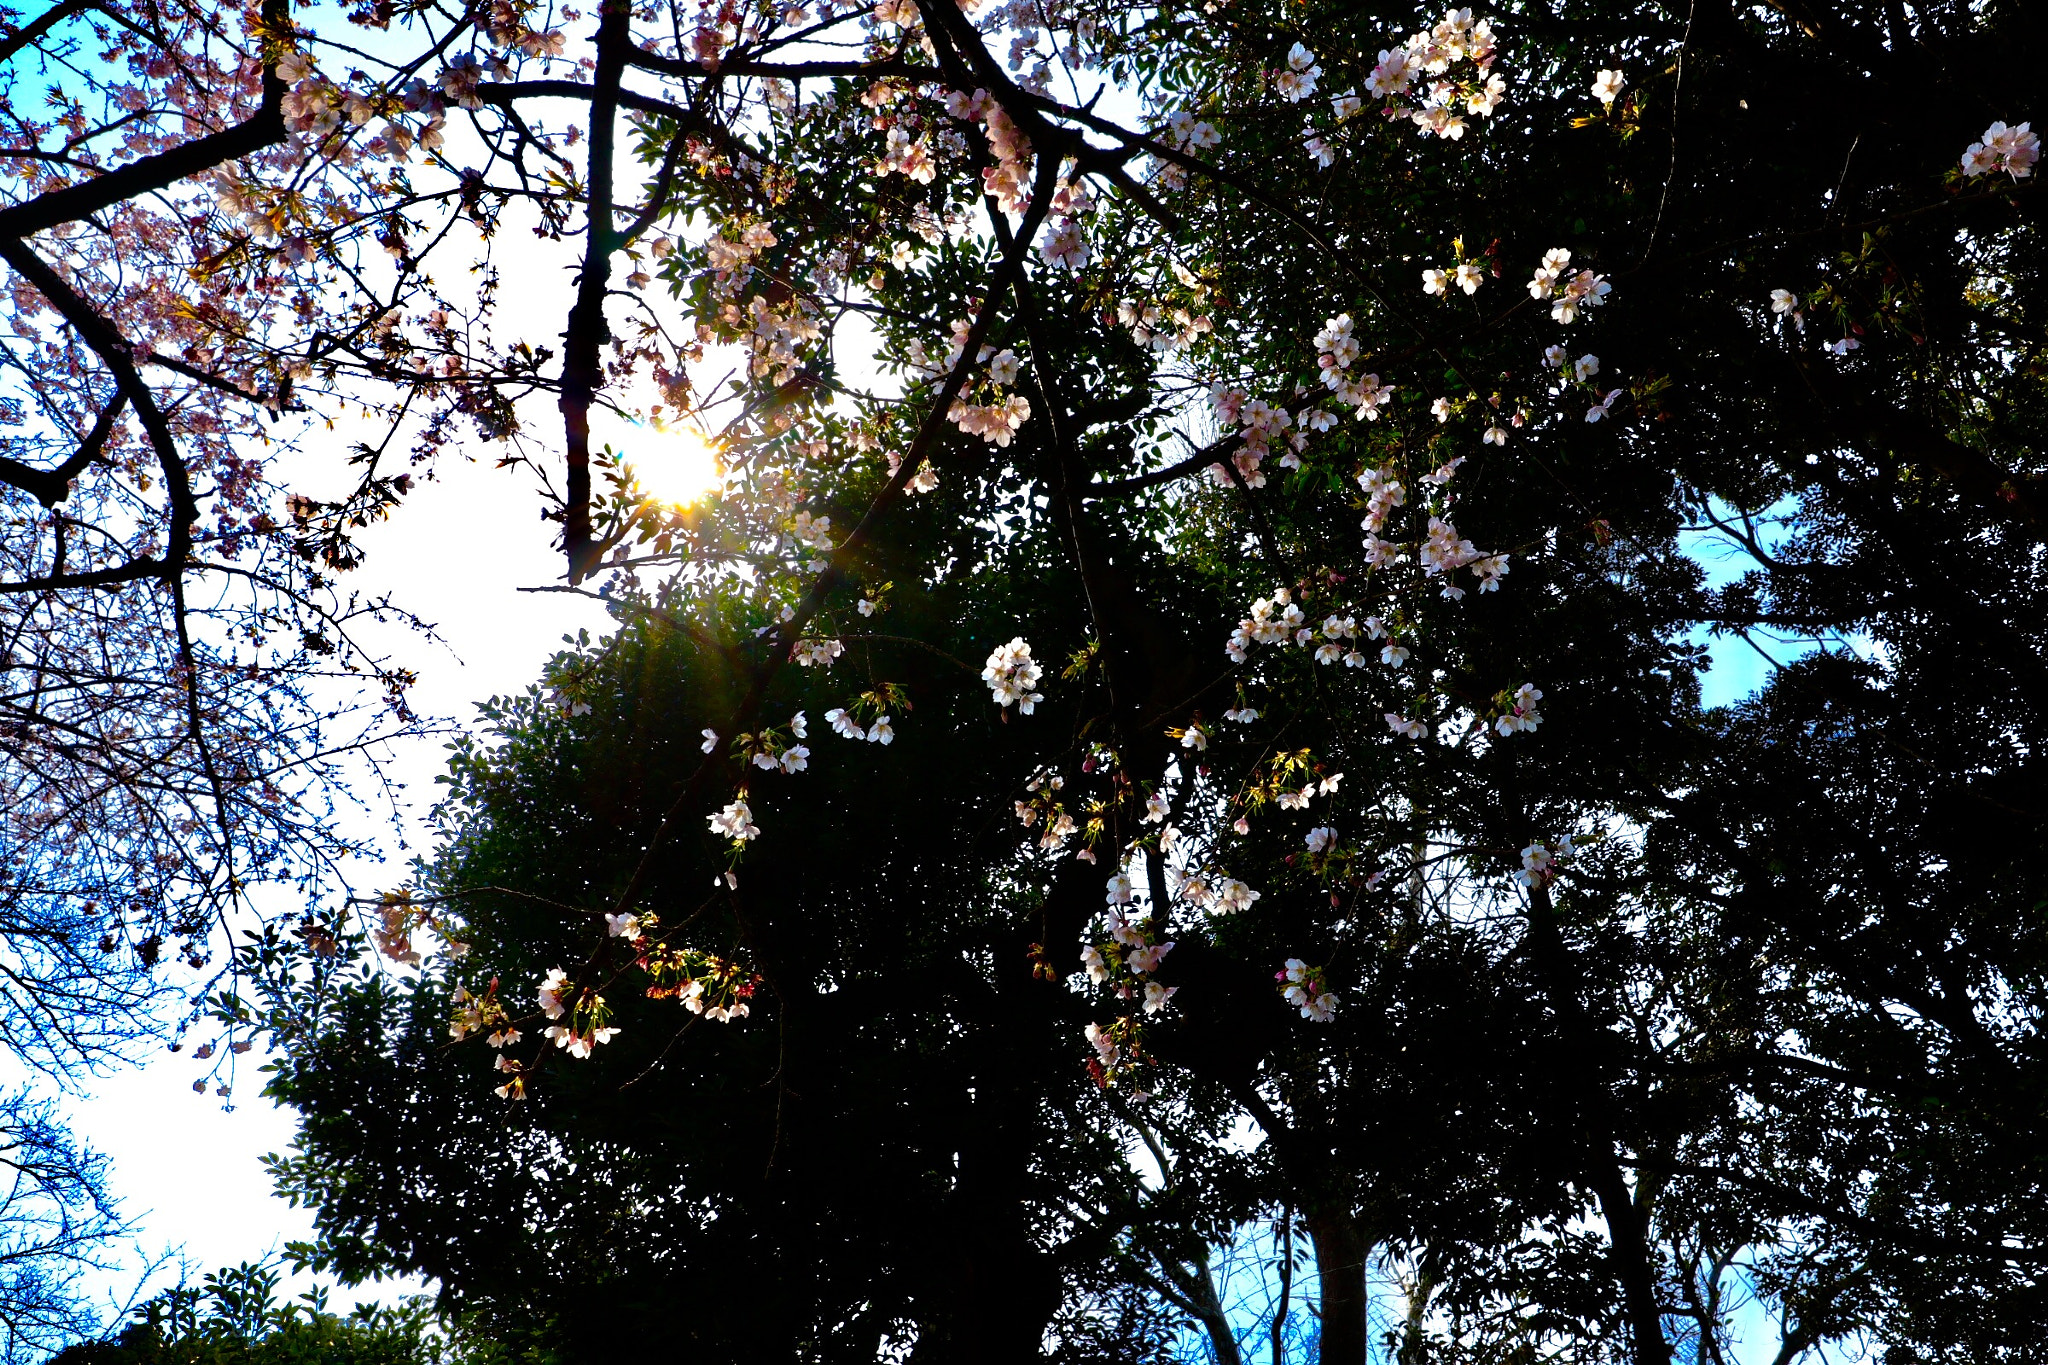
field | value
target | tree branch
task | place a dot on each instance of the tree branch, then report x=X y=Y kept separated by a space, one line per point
x=582 y=342
x=505 y=93
x=36 y=28
x=262 y=129
x=52 y=486
x=1193 y=464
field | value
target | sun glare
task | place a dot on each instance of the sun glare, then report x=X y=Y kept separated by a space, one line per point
x=681 y=467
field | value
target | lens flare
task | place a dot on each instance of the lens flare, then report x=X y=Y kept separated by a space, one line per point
x=681 y=469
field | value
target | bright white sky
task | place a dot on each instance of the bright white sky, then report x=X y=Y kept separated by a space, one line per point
x=456 y=556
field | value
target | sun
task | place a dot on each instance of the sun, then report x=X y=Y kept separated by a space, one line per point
x=681 y=467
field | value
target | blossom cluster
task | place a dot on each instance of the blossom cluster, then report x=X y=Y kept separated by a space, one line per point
x=1148 y=323
x=995 y=421
x=483 y=1014
x=1303 y=987
x=1127 y=950
x=1517 y=713
x=715 y=987
x=1274 y=620
x=1582 y=372
x=736 y=820
x=777 y=335
x=580 y=1017
x=1416 y=80
x=1567 y=293
x=1336 y=351
x=1185 y=130
x=1261 y=425
x=769 y=750
x=815 y=652
x=1466 y=275
x=1065 y=242
x=1540 y=862
x=1124 y=953
x=1044 y=809
x=2012 y=150
x=1297 y=80
x=400 y=917
x=1012 y=675
x=879 y=706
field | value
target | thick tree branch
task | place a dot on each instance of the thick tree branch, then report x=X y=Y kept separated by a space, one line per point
x=262 y=129
x=1193 y=464
x=1627 y=1225
x=52 y=486
x=506 y=93
x=114 y=352
x=39 y=26
x=582 y=343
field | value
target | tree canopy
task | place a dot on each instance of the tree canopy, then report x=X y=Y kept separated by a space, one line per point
x=234 y=1317
x=1183 y=705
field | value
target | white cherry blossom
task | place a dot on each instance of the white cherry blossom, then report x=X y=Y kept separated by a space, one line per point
x=735 y=822
x=2010 y=149
x=1011 y=674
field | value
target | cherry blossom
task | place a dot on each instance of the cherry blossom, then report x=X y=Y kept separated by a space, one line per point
x=1568 y=293
x=1012 y=674
x=552 y=988
x=1518 y=711
x=1302 y=986
x=2002 y=148
x=735 y=821
x=815 y=653
x=1298 y=81
x=1233 y=895
x=1147 y=957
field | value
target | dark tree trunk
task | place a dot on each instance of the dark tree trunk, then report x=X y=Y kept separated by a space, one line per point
x=1341 y=1251
x=1628 y=1228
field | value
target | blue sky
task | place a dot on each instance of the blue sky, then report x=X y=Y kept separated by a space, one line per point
x=1739 y=666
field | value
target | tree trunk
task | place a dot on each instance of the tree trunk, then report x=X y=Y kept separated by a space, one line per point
x=1199 y=1287
x=1286 y=1286
x=1628 y=1229
x=1341 y=1249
